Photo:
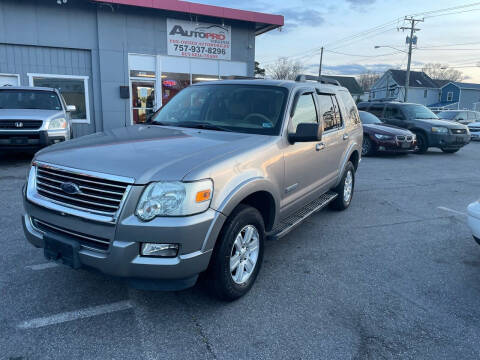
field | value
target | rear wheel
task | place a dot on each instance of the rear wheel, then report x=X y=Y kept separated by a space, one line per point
x=422 y=144
x=367 y=146
x=450 y=151
x=238 y=254
x=345 y=189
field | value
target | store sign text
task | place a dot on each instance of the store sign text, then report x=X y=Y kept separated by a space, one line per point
x=201 y=40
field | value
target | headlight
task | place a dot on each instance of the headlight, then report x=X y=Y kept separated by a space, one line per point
x=440 y=129
x=174 y=199
x=383 y=137
x=57 y=124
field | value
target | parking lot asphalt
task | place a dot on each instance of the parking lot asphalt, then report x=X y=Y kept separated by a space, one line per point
x=397 y=275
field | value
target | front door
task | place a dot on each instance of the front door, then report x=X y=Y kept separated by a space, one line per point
x=143 y=100
x=304 y=161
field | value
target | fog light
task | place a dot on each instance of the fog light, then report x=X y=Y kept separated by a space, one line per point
x=160 y=250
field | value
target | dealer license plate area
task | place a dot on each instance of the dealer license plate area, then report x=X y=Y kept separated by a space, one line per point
x=61 y=250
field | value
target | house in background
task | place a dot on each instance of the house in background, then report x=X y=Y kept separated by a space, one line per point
x=458 y=96
x=351 y=84
x=391 y=87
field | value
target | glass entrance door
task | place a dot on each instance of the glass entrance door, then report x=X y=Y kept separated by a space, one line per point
x=143 y=100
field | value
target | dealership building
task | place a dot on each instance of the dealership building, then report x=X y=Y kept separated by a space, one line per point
x=119 y=60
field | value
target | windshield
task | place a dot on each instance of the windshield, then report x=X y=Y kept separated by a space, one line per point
x=447 y=114
x=419 y=112
x=368 y=118
x=241 y=108
x=29 y=99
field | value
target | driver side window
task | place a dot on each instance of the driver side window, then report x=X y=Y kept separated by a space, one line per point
x=305 y=112
x=394 y=113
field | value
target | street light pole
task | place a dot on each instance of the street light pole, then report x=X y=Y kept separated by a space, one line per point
x=321 y=60
x=410 y=47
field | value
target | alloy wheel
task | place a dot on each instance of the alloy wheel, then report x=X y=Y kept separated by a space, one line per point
x=244 y=254
x=348 y=187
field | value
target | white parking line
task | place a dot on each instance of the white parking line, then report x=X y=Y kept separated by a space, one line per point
x=75 y=315
x=43 y=266
x=451 y=211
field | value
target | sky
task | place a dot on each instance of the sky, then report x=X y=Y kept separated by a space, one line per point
x=449 y=37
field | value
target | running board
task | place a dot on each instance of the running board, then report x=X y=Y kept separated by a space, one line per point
x=288 y=224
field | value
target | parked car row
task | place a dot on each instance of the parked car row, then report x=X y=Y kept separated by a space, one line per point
x=403 y=127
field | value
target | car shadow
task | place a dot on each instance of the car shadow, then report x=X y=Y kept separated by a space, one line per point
x=15 y=158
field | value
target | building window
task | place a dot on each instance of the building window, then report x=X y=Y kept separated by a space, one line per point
x=373 y=95
x=392 y=92
x=74 y=90
x=425 y=93
x=172 y=83
x=450 y=96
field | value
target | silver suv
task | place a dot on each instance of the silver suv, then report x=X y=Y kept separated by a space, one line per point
x=32 y=118
x=220 y=168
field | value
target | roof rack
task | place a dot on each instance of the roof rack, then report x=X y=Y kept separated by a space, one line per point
x=320 y=79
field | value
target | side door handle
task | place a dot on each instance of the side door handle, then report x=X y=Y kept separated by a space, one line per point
x=345 y=136
x=320 y=146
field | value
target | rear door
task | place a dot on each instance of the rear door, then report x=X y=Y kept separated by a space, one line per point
x=393 y=115
x=377 y=110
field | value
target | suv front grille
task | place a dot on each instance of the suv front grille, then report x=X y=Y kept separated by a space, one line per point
x=92 y=194
x=458 y=131
x=20 y=124
x=87 y=241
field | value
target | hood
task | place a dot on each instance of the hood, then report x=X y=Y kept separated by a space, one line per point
x=147 y=152
x=386 y=129
x=445 y=123
x=28 y=114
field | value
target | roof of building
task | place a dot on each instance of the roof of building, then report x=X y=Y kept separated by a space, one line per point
x=348 y=82
x=417 y=79
x=463 y=85
x=263 y=22
x=441 y=83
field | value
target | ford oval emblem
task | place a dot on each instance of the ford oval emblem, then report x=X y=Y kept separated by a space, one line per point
x=70 y=188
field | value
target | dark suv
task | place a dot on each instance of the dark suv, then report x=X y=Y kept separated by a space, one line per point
x=429 y=129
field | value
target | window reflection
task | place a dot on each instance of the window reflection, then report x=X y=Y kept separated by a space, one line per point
x=172 y=83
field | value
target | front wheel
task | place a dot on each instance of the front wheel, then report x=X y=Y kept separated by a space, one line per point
x=422 y=144
x=345 y=189
x=238 y=254
x=450 y=151
x=367 y=146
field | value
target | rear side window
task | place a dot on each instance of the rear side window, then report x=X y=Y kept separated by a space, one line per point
x=377 y=110
x=471 y=116
x=305 y=112
x=350 y=107
x=329 y=112
x=392 y=112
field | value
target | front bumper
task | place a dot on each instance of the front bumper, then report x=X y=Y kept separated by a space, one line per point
x=475 y=135
x=30 y=140
x=448 y=141
x=393 y=145
x=196 y=236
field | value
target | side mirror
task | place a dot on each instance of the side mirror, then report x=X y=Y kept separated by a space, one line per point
x=71 y=108
x=306 y=132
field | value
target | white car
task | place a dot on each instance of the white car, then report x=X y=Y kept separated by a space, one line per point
x=474 y=130
x=474 y=219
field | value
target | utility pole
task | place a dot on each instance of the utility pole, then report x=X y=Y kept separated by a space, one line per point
x=321 y=60
x=412 y=29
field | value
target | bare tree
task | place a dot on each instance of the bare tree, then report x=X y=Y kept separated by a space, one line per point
x=284 y=69
x=367 y=80
x=439 y=71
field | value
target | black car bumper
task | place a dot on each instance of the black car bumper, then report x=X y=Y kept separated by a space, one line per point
x=448 y=141
x=393 y=145
x=25 y=141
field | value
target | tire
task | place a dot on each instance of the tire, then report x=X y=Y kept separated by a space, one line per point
x=368 y=148
x=342 y=201
x=226 y=284
x=422 y=144
x=450 y=151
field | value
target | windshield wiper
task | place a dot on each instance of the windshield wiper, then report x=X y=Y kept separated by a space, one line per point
x=202 y=125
